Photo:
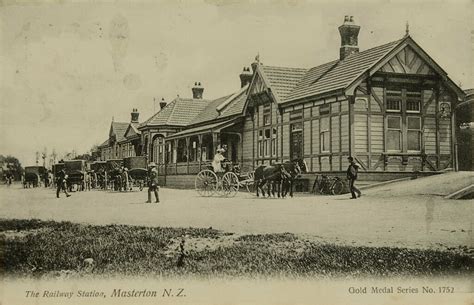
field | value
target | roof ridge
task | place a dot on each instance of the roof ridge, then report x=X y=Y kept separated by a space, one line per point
x=172 y=110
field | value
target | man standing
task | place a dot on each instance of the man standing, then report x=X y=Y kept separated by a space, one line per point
x=153 y=182
x=352 y=177
x=61 y=183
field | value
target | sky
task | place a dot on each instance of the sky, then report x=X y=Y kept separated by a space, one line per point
x=68 y=67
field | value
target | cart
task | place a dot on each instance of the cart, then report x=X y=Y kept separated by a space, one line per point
x=227 y=184
x=76 y=171
x=137 y=171
x=33 y=175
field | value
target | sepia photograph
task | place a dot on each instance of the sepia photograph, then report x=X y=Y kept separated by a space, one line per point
x=236 y=152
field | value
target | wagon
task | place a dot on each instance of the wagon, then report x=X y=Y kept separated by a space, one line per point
x=227 y=184
x=33 y=175
x=137 y=171
x=76 y=171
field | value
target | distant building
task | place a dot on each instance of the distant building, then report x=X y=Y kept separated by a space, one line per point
x=124 y=139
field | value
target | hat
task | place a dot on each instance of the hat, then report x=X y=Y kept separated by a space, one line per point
x=152 y=164
x=350 y=159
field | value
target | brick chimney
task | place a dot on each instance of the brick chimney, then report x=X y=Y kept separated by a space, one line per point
x=349 y=32
x=162 y=103
x=134 y=115
x=197 y=90
x=245 y=77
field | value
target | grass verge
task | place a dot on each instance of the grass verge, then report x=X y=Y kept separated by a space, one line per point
x=33 y=247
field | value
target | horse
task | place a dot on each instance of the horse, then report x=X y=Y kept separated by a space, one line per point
x=277 y=175
x=295 y=169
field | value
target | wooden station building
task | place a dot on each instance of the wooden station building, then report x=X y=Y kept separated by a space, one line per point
x=390 y=107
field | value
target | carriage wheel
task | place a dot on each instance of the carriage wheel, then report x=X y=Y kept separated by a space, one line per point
x=337 y=187
x=206 y=183
x=230 y=184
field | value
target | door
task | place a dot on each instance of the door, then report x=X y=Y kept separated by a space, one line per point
x=296 y=142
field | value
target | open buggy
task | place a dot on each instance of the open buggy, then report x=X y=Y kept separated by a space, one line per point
x=76 y=171
x=227 y=184
x=98 y=170
x=137 y=171
x=33 y=175
x=114 y=174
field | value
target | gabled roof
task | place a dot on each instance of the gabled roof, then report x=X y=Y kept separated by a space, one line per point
x=223 y=107
x=291 y=84
x=132 y=131
x=118 y=129
x=179 y=112
x=339 y=74
x=282 y=80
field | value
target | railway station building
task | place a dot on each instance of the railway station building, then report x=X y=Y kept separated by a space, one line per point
x=390 y=107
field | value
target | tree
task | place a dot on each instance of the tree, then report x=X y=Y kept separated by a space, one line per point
x=11 y=165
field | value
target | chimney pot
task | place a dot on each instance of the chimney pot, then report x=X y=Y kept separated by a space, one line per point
x=197 y=90
x=162 y=103
x=349 y=37
x=245 y=77
x=134 y=116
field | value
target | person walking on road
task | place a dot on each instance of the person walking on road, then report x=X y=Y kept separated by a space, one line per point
x=352 y=171
x=61 y=183
x=153 y=182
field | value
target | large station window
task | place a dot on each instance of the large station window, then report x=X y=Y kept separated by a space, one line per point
x=182 y=152
x=394 y=133
x=413 y=133
x=404 y=130
x=324 y=135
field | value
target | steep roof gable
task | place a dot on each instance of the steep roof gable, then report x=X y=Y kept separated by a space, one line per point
x=118 y=130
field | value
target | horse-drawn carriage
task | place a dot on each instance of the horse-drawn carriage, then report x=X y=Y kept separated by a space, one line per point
x=76 y=171
x=33 y=175
x=227 y=184
x=137 y=171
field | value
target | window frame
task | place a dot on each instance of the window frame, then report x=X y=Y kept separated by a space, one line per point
x=400 y=133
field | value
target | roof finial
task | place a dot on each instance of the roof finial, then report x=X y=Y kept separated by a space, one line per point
x=257 y=58
x=407 y=29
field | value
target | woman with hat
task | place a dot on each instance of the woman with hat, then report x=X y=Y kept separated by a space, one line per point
x=217 y=162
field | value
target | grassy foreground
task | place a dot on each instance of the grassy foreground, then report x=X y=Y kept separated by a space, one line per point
x=33 y=247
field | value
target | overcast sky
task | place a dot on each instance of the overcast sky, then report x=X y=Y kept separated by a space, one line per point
x=67 y=69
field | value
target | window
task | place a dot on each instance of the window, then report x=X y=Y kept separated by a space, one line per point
x=267 y=114
x=267 y=140
x=394 y=100
x=182 y=152
x=274 y=137
x=260 y=143
x=324 y=109
x=324 y=135
x=394 y=133
x=413 y=133
x=413 y=101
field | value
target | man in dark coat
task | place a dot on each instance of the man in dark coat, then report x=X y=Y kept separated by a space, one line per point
x=352 y=171
x=153 y=182
x=61 y=183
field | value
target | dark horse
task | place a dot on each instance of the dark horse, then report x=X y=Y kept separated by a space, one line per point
x=280 y=176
